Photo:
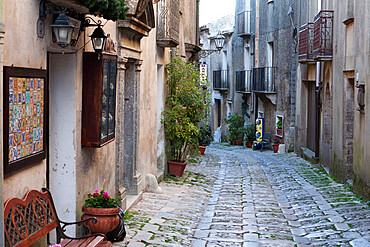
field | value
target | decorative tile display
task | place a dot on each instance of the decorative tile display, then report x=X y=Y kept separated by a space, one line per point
x=25 y=112
x=26 y=121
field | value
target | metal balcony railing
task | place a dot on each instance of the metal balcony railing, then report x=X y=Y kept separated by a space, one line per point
x=220 y=80
x=323 y=35
x=305 y=47
x=243 y=81
x=244 y=23
x=168 y=19
x=264 y=79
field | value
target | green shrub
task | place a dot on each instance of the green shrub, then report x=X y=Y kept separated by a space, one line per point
x=235 y=128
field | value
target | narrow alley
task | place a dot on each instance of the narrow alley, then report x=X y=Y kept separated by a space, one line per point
x=234 y=196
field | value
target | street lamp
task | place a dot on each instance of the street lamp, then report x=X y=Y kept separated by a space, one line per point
x=219 y=42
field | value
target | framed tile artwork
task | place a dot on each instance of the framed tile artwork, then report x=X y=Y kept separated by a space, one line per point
x=25 y=108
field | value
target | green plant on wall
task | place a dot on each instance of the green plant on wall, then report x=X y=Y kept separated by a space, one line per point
x=279 y=125
x=187 y=105
x=235 y=128
x=109 y=9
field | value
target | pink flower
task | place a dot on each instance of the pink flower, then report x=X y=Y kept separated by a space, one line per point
x=95 y=194
x=97 y=191
x=119 y=192
x=105 y=193
x=89 y=194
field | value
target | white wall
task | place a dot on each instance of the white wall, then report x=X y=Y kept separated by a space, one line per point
x=62 y=151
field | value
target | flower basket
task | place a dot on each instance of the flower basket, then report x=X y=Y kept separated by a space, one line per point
x=176 y=168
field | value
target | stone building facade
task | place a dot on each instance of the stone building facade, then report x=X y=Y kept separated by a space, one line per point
x=331 y=82
x=143 y=47
x=261 y=63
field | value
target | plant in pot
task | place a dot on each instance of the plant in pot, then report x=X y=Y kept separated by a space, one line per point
x=187 y=105
x=235 y=129
x=249 y=134
x=275 y=144
x=205 y=137
x=279 y=128
x=106 y=209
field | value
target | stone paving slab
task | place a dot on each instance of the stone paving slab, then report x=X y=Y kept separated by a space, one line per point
x=234 y=196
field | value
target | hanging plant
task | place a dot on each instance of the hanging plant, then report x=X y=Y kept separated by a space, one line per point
x=109 y=9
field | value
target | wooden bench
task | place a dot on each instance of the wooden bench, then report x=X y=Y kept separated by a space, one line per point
x=28 y=220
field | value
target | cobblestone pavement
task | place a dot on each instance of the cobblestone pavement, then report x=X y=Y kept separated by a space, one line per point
x=234 y=196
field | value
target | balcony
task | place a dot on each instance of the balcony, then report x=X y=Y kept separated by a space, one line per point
x=220 y=81
x=264 y=79
x=168 y=19
x=323 y=35
x=244 y=24
x=305 y=47
x=243 y=81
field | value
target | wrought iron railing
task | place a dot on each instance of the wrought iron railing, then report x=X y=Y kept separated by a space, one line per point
x=168 y=19
x=264 y=79
x=323 y=35
x=244 y=23
x=243 y=81
x=220 y=80
x=305 y=47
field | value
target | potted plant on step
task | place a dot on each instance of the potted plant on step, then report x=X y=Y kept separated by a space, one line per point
x=279 y=128
x=249 y=134
x=275 y=145
x=205 y=137
x=187 y=105
x=235 y=129
x=106 y=209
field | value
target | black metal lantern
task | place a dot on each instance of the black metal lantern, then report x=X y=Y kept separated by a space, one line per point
x=219 y=41
x=62 y=30
x=98 y=39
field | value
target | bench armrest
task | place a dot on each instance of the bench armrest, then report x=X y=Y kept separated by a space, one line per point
x=61 y=230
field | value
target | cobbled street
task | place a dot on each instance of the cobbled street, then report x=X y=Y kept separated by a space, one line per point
x=234 y=196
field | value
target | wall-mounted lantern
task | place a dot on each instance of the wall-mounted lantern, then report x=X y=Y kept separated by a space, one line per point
x=219 y=42
x=62 y=30
x=98 y=37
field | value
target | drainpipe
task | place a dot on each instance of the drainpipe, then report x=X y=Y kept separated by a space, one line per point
x=256 y=60
x=318 y=109
x=2 y=33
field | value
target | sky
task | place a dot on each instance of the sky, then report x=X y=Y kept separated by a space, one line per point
x=211 y=10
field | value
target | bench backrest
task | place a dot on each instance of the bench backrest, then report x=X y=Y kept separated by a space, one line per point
x=28 y=220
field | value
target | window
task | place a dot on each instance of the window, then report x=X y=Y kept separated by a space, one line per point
x=99 y=99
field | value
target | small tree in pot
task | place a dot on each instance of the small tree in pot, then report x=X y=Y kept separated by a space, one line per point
x=249 y=134
x=187 y=104
x=205 y=137
x=235 y=128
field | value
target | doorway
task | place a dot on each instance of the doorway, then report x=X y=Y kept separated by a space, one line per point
x=311 y=116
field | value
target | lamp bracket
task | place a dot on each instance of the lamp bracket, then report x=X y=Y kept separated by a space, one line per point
x=90 y=22
x=47 y=8
x=205 y=53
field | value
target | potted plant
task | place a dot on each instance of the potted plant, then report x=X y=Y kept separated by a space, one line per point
x=187 y=105
x=235 y=129
x=249 y=134
x=106 y=209
x=275 y=144
x=279 y=128
x=205 y=137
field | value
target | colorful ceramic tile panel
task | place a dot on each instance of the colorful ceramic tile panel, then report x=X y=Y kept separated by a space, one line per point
x=26 y=115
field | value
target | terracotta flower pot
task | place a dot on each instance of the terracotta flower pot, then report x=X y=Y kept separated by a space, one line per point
x=275 y=146
x=279 y=132
x=176 y=168
x=202 y=149
x=250 y=144
x=107 y=219
x=238 y=142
